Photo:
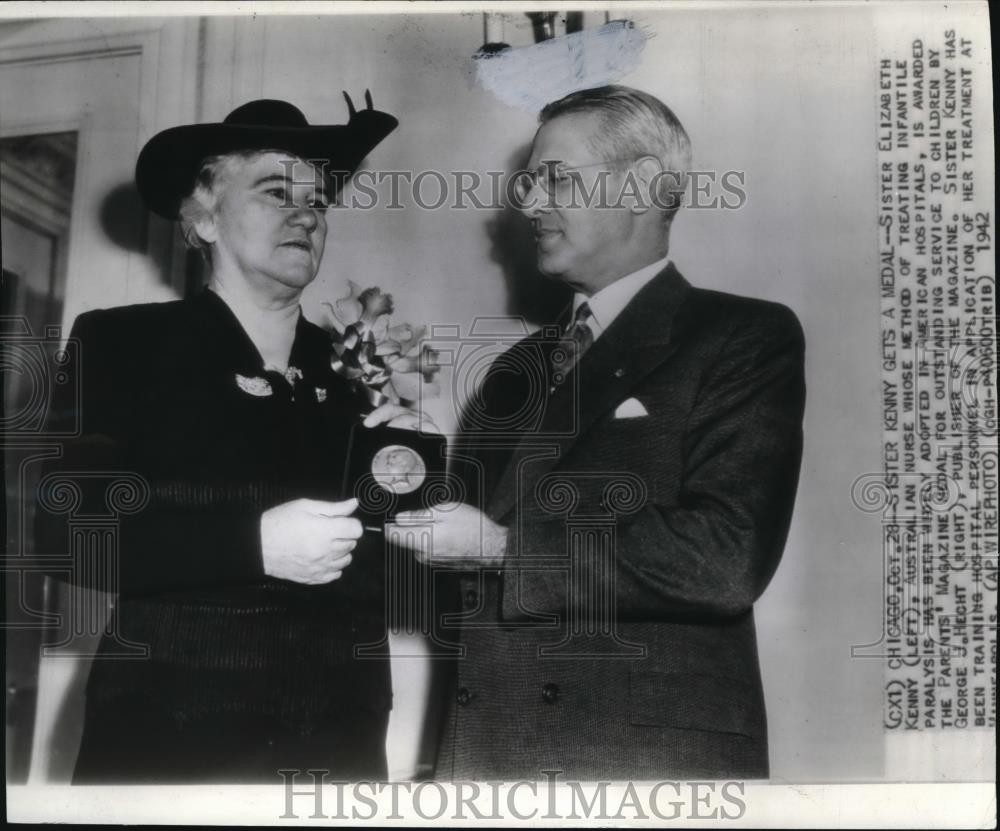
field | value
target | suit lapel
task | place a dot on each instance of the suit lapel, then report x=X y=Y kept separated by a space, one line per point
x=637 y=342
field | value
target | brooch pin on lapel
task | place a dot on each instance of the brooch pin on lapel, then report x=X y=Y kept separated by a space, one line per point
x=254 y=386
x=320 y=394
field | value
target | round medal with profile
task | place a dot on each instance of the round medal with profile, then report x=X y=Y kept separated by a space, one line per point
x=391 y=470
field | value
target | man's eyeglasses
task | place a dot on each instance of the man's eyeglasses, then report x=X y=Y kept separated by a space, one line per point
x=555 y=178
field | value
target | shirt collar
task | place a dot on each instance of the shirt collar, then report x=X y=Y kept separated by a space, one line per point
x=608 y=303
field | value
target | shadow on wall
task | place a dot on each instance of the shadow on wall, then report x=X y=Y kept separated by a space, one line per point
x=537 y=299
x=131 y=226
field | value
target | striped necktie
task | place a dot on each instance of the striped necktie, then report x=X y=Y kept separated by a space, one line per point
x=576 y=340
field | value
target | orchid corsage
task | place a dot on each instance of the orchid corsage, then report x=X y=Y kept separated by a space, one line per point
x=386 y=364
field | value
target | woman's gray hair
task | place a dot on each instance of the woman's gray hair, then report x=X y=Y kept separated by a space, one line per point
x=204 y=196
x=634 y=124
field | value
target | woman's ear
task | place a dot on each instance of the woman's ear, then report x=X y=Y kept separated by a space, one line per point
x=205 y=227
x=203 y=220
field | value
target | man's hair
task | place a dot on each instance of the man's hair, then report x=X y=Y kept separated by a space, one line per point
x=634 y=124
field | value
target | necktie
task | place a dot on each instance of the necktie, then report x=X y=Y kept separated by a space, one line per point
x=576 y=340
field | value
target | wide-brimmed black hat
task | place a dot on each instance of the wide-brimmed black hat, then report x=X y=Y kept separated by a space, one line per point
x=168 y=165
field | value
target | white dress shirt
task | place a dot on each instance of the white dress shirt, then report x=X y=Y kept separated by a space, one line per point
x=607 y=304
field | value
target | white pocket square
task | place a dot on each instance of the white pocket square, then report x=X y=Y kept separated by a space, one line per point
x=631 y=408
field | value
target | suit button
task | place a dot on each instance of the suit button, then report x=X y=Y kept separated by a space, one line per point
x=471 y=598
x=463 y=697
x=550 y=692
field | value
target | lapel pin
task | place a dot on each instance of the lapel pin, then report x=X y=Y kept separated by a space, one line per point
x=619 y=373
x=254 y=386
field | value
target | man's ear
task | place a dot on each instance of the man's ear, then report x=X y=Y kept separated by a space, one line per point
x=641 y=182
x=648 y=170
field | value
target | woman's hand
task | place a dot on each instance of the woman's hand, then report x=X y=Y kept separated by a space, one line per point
x=309 y=541
x=395 y=415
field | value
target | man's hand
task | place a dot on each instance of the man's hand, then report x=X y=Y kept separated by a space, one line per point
x=309 y=541
x=463 y=536
x=395 y=415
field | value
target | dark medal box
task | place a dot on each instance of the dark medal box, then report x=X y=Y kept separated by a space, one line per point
x=391 y=470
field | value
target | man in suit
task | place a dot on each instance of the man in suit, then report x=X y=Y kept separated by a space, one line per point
x=634 y=477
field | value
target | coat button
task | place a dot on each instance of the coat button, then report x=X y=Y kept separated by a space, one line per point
x=463 y=697
x=550 y=692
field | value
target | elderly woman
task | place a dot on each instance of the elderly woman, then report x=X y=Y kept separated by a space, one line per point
x=245 y=575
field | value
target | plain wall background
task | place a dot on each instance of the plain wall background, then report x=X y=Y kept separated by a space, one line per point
x=785 y=95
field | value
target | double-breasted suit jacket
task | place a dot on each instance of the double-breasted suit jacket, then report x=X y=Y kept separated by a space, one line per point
x=244 y=673
x=647 y=499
